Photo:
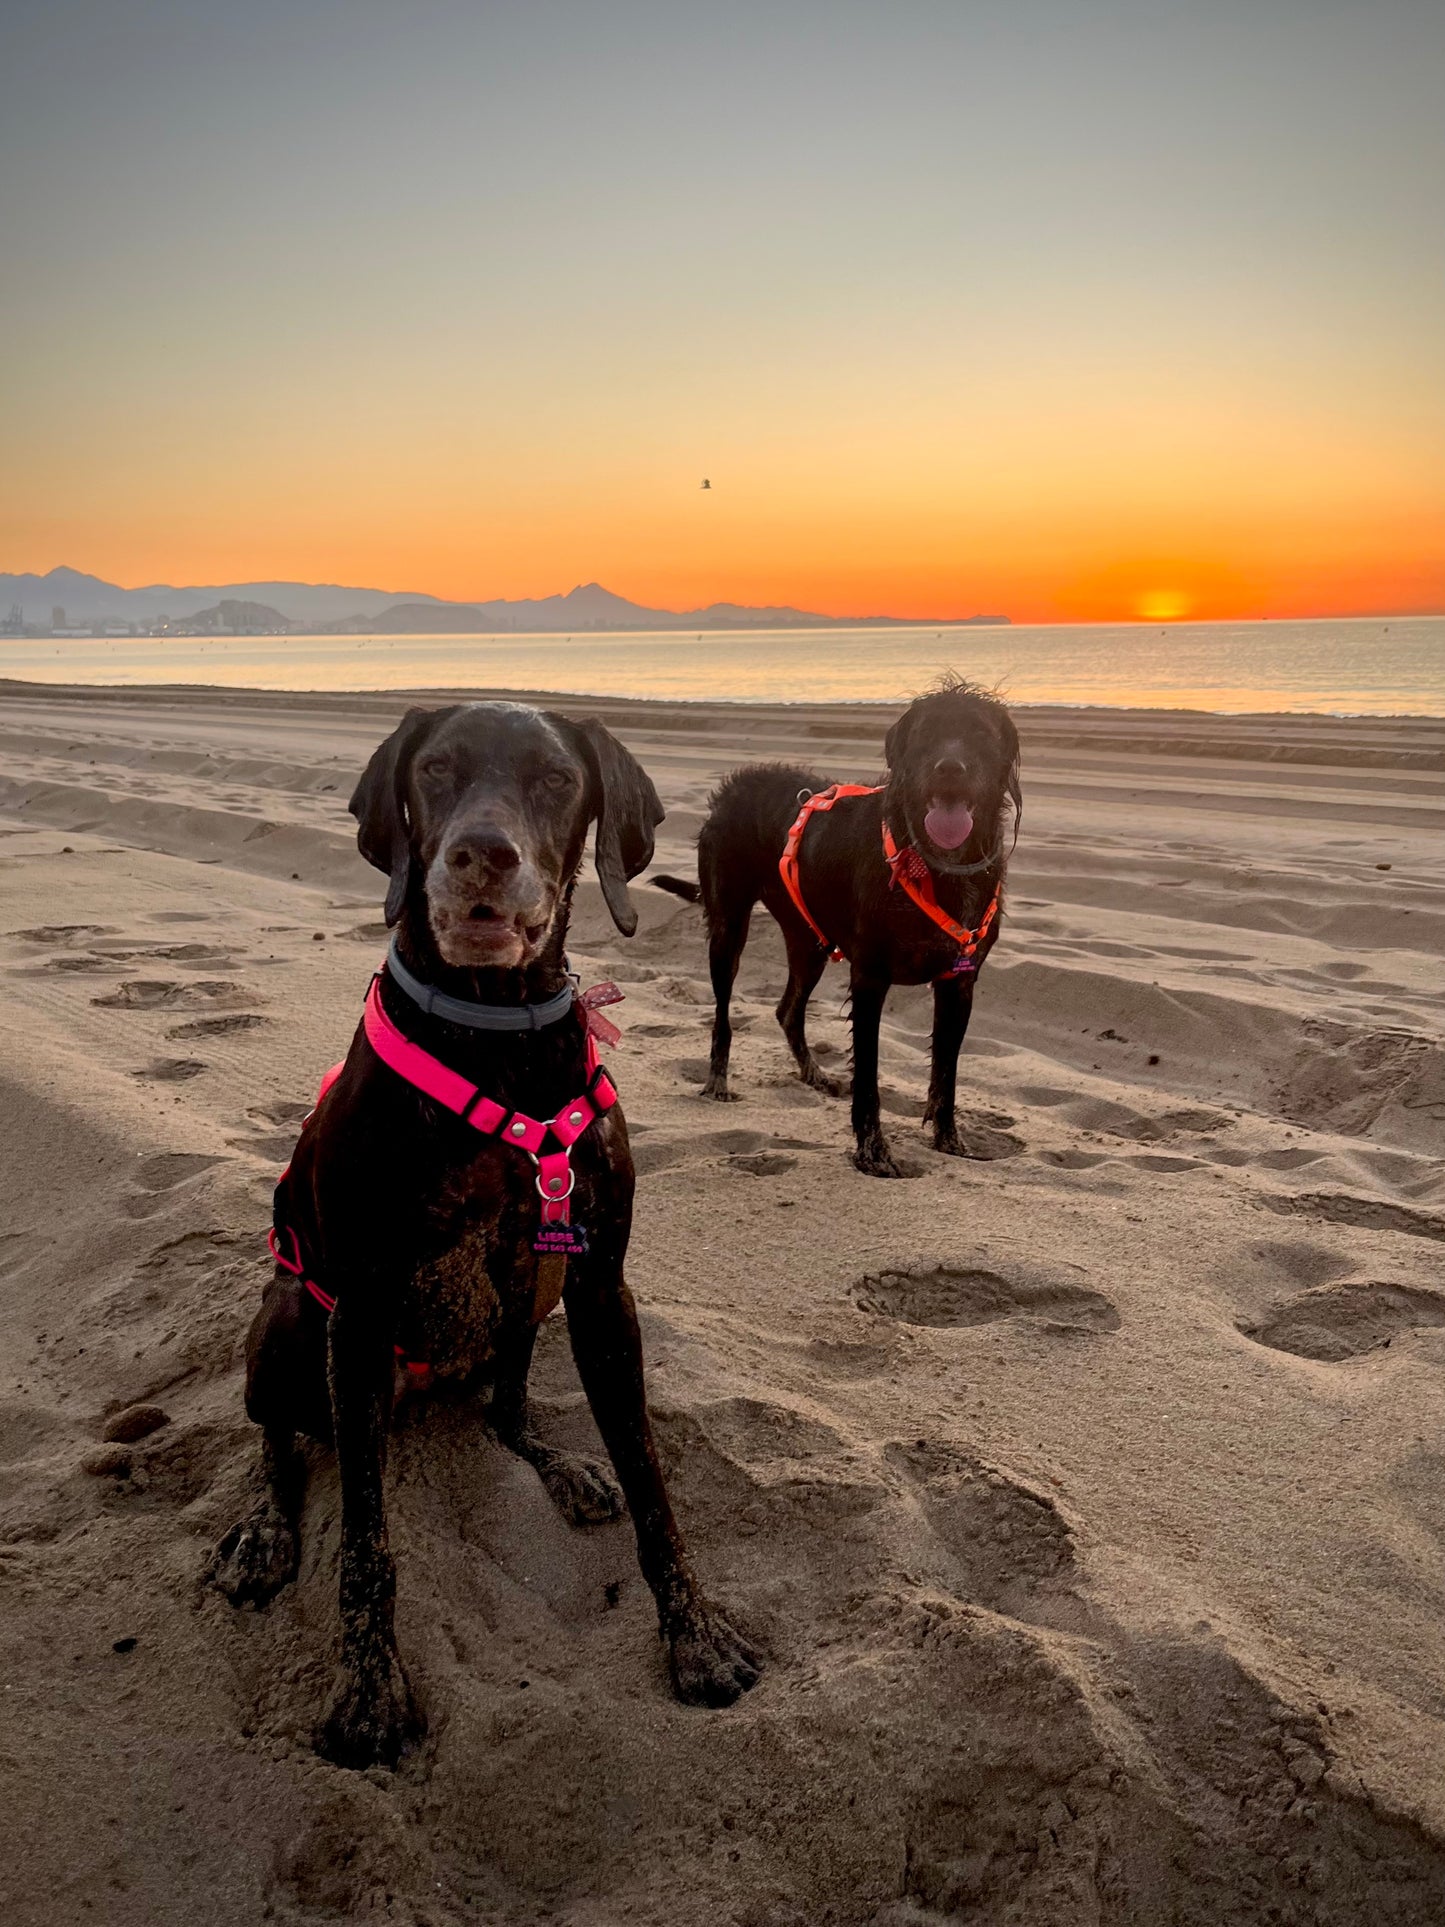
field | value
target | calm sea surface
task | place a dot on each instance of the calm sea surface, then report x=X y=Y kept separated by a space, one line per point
x=1360 y=667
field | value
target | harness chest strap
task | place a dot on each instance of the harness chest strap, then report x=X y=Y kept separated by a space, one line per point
x=913 y=877
x=792 y=851
x=909 y=872
x=555 y=1176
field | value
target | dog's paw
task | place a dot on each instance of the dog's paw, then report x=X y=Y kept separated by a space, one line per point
x=710 y=1662
x=255 y=1559
x=372 y=1721
x=717 y=1089
x=874 y=1159
x=583 y=1490
x=821 y=1080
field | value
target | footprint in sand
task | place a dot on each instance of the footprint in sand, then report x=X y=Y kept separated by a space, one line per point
x=85 y=964
x=762 y=1164
x=156 y=1177
x=139 y=994
x=274 y=1147
x=67 y=932
x=846 y=1358
x=1010 y=1539
x=1370 y=1214
x=666 y=1154
x=283 y=1111
x=217 y=1026
x=1288 y=1160
x=1196 y=1120
x=1338 y=1321
x=170 y=1168
x=946 y=1298
x=1073 y=1160
x=1114 y=1120
x=171 y=1070
x=756 y=1431
x=189 y=953
x=986 y=1135
x=749 y=1152
x=692 y=1070
x=156 y=993
x=767 y=1467
x=1304 y=1264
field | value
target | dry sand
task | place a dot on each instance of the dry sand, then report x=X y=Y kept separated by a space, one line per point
x=1089 y=1501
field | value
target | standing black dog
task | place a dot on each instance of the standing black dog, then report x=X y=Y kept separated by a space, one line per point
x=865 y=868
x=419 y=1220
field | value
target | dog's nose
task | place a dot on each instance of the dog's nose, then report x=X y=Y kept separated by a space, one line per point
x=950 y=768
x=489 y=848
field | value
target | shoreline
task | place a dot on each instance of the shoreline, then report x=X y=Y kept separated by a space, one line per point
x=744 y=707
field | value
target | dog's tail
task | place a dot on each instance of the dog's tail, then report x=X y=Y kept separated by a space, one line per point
x=679 y=887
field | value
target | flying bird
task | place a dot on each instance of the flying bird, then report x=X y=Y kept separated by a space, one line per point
x=706 y=483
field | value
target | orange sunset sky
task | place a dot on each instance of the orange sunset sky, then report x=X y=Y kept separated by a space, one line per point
x=1069 y=312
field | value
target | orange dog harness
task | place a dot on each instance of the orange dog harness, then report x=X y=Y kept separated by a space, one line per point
x=792 y=850
x=907 y=870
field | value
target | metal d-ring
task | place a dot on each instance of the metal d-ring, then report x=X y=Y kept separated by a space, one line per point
x=555 y=1197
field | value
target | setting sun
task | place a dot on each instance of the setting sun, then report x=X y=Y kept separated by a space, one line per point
x=1163 y=605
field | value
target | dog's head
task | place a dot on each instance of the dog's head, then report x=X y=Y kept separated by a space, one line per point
x=953 y=765
x=479 y=816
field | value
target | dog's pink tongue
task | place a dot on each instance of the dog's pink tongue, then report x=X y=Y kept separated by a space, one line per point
x=950 y=826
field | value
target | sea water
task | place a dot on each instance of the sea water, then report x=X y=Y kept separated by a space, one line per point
x=1362 y=666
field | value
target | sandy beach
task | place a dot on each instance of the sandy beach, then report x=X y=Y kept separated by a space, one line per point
x=1088 y=1497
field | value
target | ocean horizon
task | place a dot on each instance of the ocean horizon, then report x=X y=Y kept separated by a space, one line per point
x=1361 y=666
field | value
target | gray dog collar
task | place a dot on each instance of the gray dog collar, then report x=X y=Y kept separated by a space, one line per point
x=460 y=1010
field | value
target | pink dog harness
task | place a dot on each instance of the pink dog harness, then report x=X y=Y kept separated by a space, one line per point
x=547 y=1142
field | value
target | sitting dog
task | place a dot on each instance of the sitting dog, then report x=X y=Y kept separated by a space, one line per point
x=466 y=1166
x=905 y=881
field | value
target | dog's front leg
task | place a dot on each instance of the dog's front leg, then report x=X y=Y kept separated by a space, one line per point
x=952 y=1007
x=872 y=1155
x=372 y=1718
x=583 y=1489
x=710 y=1662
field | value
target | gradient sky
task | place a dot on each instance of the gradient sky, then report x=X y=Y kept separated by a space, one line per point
x=1063 y=310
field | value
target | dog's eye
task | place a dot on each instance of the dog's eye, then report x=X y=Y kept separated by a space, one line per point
x=434 y=766
x=557 y=779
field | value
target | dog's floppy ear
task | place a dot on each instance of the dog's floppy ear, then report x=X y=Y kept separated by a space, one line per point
x=1015 y=787
x=627 y=810
x=895 y=743
x=379 y=805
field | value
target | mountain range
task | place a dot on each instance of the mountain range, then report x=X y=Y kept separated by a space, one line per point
x=86 y=599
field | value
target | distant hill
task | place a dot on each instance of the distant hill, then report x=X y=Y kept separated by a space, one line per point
x=86 y=598
x=335 y=609
x=590 y=606
x=232 y=618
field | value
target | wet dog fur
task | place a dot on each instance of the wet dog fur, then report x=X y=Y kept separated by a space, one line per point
x=422 y=1227
x=956 y=746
